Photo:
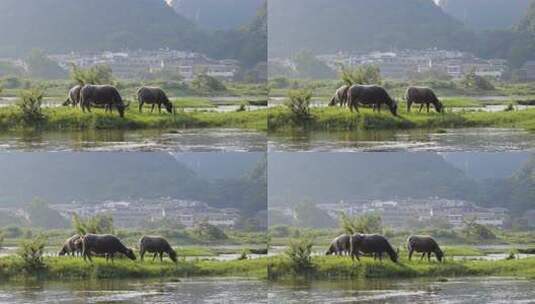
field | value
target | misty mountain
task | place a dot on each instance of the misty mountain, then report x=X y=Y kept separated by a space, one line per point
x=209 y=165
x=482 y=166
x=330 y=177
x=324 y=26
x=62 y=26
x=218 y=14
x=63 y=177
x=486 y=14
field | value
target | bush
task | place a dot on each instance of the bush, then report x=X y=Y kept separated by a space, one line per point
x=299 y=252
x=367 y=223
x=299 y=103
x=30 y=104
x=364 y=74
x=205 y=83
x=98 y=224
x=32 y=253
x=209 y=232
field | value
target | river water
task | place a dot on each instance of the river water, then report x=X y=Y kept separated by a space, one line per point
x=206 y=290
x=443 y=140
x=187 y=140
x=487 y=290
x=241 y=290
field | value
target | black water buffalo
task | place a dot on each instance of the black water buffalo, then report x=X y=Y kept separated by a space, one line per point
x=153 y=96
x=340 y=245
x=371 y=244
x=106 y=95
x=73 y=98
x=104 y=244
x=424 y=244
x=71 y=246
x=422 y=96
x=340 y=96
x=156 y=245
x=370 y=95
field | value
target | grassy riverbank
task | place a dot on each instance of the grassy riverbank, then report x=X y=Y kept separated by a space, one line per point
x=12 y=268
x=343 y=268
x=341 y=119
x=74 y=119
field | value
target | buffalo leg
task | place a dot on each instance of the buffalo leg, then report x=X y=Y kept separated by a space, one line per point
x=141 y=107
x=421 y=107
x=423 y=255
x=160 y=108
x=410 y=254
x=409 y=104
x=379 y=107
x=429 y=256
x=427 y=104
x=154 y=256
x=161 y=256
x=152 y=109
x=141 y=254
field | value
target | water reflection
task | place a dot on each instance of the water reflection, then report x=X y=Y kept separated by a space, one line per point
x=443 y=140
x=194 y=140
x=215 y=290
x=458 y=290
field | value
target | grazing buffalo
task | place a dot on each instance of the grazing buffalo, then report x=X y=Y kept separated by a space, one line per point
x=370 y=95
x=153 y=96
x=74 y=96
x=422 y=96
x=104 y=244
x=102 y=95
x=340 y=96
x=371 y=244
x=424 y=244
x=71 y=246
x=156 y=245
x=340 y=245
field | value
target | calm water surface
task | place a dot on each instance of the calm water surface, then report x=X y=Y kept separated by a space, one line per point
x=209 y=291
x=188 y=140
x=447 y=140
x=454 y=291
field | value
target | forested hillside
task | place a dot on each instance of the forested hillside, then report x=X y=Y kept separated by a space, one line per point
x=486 y=14
x=63 y=177
x=62 y=26
x=324 y=26
x=218 y=14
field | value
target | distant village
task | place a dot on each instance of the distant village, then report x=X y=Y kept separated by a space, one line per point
x=408 y=212
x=143 y=212
x=400 y=64
x=139 y=64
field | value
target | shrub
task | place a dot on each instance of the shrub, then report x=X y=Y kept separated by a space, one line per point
x=299 y=103
x=204 y=82
x=209 y=232
x=364 y=74
x=299 y=252
x=30 y=104
x=367 y=223
x=32 y=253
x=97 y=224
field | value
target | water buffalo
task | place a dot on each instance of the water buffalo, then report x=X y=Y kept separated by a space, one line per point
x=370 y=95
x=371 y=244
x=153 y=96
x=106 y=95
x=424 y=244
x=422 y=96
x=340 y=96
x=106 y=244
x=156 y=245
x=71 y=246
x=74 y=96
x=340 y=245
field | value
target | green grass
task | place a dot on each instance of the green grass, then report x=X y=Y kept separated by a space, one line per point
x=64 y=118
x=343 y=267
x=11 y=268
x=341 y=119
